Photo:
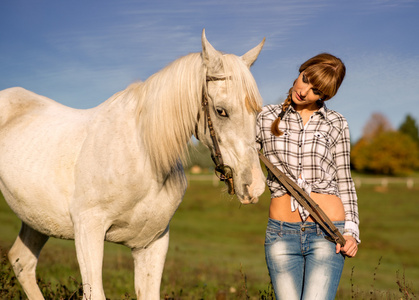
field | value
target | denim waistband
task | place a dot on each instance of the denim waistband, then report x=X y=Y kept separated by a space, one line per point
x=298 y=226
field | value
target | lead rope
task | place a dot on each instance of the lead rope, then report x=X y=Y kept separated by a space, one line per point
x=305 y=200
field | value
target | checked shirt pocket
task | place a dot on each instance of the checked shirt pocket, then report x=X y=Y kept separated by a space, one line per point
x=321 y=143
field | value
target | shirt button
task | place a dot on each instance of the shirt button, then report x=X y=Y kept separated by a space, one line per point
x=303 y=229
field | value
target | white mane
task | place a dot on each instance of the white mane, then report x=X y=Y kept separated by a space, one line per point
x=169 y=101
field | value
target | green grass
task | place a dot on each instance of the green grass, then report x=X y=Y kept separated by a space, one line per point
x=216 y=247
x=389 y=227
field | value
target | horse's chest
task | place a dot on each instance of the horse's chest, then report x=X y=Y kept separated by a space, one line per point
x=139 y=229
x=145 y=222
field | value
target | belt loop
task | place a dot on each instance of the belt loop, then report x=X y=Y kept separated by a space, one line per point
x=318 y=229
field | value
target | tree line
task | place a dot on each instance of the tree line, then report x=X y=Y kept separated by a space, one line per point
x=387 y=151
x=381 y=149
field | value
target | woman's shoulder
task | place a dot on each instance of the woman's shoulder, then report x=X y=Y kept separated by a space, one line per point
x=271 y=109
x=336 y=118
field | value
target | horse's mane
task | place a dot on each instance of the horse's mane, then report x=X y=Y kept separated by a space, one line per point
x=169 y=101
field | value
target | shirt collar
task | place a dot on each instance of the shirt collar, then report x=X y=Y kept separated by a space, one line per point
x=322 y=110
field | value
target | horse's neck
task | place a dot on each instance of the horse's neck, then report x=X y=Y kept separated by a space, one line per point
x=120 y=105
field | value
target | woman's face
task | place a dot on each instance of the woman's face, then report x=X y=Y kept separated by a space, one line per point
x=304 y=95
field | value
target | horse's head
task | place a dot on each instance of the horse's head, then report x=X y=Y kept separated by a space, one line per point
x=230 y=103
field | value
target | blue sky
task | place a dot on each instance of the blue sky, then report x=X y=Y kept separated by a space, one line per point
x=79 y=53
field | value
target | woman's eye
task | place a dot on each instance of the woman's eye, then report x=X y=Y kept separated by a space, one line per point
x=305 y=80
x=316 y=92
x=221 y=112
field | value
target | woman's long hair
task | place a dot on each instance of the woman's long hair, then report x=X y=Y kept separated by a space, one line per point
x=325 y=72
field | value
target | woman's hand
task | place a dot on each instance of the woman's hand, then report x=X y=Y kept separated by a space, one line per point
x=350 y=248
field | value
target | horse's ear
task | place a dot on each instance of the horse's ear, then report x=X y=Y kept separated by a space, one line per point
x=210 y=56
x=250 y=57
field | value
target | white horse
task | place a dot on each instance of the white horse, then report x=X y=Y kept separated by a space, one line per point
x=114 y=172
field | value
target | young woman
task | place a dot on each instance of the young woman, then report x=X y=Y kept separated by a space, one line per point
x=311 y=145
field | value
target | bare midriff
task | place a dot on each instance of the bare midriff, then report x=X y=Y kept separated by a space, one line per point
x=280 y=208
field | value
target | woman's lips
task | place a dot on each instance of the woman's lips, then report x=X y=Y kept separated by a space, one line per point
x=298 y=97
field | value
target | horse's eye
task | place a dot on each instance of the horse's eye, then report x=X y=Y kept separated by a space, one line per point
x=222 y=113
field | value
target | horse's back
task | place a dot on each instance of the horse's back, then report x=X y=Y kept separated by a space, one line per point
x=38 y=122
x=17 y=102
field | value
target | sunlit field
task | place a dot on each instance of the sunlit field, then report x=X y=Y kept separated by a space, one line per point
x=216 y=249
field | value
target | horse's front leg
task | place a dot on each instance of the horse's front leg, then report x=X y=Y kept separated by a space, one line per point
x=148 y=265
x=89 y=238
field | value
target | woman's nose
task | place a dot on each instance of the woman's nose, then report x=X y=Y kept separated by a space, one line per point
x=304 y=90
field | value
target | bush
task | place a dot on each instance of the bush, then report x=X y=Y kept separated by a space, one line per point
x=389 y=153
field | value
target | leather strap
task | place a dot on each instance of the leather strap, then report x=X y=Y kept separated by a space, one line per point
x=223 y=171
x=307 y=202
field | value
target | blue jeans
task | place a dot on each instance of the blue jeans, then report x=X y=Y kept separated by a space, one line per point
x=302 y=264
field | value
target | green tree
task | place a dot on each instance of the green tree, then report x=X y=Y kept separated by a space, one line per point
x=410 y=128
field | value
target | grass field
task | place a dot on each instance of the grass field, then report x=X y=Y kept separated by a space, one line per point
x=216 y=247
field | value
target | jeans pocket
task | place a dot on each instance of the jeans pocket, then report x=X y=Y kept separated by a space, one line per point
x=339 y=225
x=271 y=236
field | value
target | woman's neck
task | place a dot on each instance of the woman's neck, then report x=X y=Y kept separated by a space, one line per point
x=312 y=107
x=306 y=111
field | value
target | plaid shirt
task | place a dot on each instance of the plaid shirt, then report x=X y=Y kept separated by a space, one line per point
x=318 y=151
